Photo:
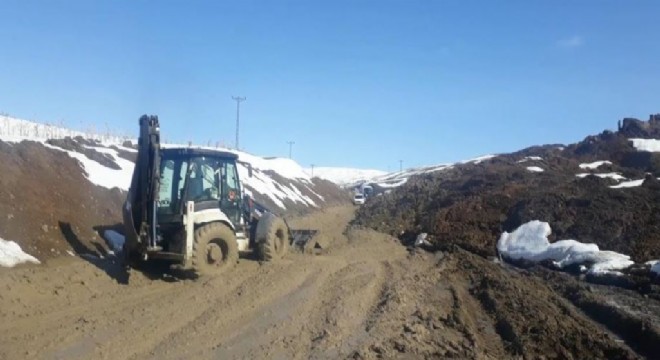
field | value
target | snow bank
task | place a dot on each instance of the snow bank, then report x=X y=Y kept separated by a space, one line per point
x=530 y=242
x=534 y=169
x=651 y=145
x=594 y=165
x=615 y=176
x=11 y=254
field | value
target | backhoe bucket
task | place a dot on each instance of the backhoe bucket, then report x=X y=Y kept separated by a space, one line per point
x=302 y=241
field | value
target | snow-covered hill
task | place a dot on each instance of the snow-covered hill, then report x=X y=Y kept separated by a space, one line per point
x=278 y=182
x=344 y=176
x=395 y=179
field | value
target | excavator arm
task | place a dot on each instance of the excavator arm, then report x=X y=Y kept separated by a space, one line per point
x=140 y=219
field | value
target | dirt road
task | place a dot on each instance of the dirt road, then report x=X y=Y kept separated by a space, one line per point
x=302 y=306
x=367 y=297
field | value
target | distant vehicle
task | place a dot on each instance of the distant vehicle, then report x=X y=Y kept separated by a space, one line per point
x=367 y=190
x=358 y=199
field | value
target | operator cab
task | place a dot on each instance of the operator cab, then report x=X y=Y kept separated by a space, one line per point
x=206 y=177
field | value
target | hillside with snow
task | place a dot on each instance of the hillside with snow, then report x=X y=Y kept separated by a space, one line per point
x=385 y=181
x=604 y=192
x=60 y=185
x=344 y=176
x=279 y=182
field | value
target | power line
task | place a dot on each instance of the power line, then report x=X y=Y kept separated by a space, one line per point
x=238 y=100
x=290 y=145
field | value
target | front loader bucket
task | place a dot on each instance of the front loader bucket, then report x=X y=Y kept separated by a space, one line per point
x=302 y=240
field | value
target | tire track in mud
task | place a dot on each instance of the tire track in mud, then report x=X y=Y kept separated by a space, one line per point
x=283 y=311
x=245 y=314
x=107 y=319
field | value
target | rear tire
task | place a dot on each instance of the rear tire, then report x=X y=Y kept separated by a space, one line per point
x=214 y=249
x=272 y=238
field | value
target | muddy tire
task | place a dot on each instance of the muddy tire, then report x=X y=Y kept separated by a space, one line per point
x=272 y=238
x=214 y=249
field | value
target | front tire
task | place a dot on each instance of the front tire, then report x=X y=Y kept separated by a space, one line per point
x=214 y=249
x=272 y=238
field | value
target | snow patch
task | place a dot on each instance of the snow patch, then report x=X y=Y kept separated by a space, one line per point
x=628 y=184
x=478 y=160
x=615 y=176
x=651 y=145
x=11 y=254
x=530 y=242
x=530 y=158
x=534 y=169
x=594 y=165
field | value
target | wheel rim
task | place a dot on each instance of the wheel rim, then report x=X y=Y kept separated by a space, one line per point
x=214 y=254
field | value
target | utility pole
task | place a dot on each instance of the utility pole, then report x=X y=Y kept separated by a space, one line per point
x=400 y=165
x=238 y=100
x=290 y=145
x=312 y=170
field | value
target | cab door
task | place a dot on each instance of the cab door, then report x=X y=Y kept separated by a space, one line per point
x=231 y=202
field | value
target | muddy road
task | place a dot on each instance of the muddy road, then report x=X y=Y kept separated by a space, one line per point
x=367 y=297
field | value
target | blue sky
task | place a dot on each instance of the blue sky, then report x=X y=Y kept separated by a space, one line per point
x=353 y=83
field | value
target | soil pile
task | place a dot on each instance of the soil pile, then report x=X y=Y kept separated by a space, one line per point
x=47 y=204
x=472 y=204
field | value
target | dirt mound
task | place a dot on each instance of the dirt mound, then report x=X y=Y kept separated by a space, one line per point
x=633 y=317
x=457 y=305
x=472 y=204
x=542 y=324
x=48 y=206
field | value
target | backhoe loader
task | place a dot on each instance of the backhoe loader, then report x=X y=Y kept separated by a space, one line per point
x=187 y=205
